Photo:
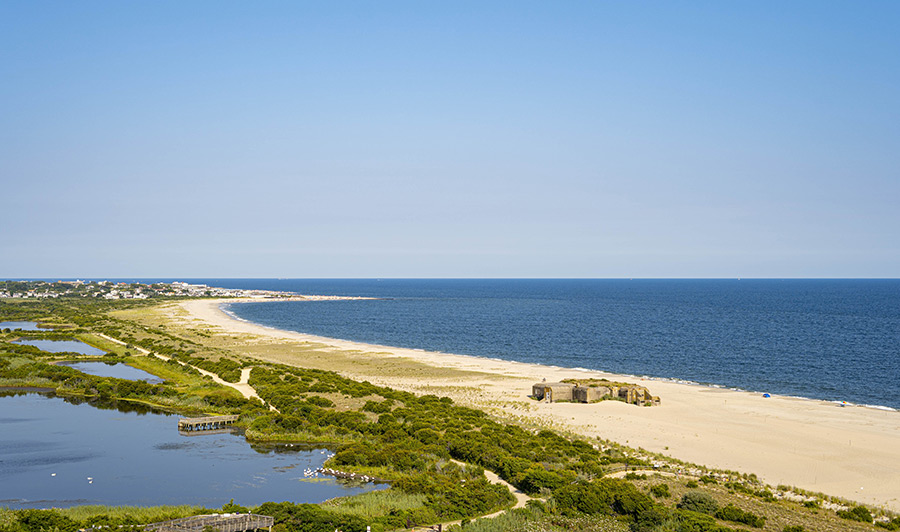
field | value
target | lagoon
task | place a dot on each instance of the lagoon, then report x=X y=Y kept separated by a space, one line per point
x=61 y=453
x=23 y=325
x=114 y=369
x=62 y=346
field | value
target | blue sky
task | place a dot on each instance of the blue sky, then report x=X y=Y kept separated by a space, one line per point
x=456 y=139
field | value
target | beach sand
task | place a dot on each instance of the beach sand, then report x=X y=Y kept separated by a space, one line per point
x=851 y=452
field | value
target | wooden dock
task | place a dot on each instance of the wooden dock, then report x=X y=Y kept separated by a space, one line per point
x=219 y=522
x=197 y=424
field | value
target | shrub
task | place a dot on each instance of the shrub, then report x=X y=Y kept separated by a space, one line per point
x=860 y=513
x=46 y=520
x=692 y=484
x=660 y=491
x=650 y=519
x=735 y=514
x=893 y=524
x=602 y=496
x=320 y=401
x=689 y=521
x=698 y=501
x=793 y=528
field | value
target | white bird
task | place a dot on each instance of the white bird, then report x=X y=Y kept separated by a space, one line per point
x=52 y=474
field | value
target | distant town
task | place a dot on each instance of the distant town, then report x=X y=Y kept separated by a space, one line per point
x=122 y=290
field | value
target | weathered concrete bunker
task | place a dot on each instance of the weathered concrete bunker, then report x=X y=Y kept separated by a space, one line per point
x=592 y=391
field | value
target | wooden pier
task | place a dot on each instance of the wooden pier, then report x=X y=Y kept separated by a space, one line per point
x=219 y=522
x=198 y=424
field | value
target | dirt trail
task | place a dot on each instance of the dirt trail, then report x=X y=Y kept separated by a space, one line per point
x=241 y=386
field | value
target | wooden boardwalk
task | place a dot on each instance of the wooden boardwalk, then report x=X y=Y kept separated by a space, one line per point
x=219 y=522
x=194 y=424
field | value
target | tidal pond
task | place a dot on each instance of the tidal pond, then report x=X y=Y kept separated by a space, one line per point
x=22 y=325
x=114 y=369
x=60 y=346
x=58 y=453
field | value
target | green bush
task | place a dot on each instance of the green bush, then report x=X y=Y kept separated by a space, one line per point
x=736 y=515
x=320 y=401
x=893 y=524
x=602 y=496
x=860 y=513
x=660 y=491
x=698 y=501
x=688 y=521
x=46 y=521
x=793 y=528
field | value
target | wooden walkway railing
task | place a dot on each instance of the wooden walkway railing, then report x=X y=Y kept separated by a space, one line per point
x=219 y=522
x=191 y=424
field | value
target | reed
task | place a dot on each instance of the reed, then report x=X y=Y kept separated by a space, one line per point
x=144 y=515
x=375 y=503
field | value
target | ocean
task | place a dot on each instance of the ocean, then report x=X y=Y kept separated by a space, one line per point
x=837 y=340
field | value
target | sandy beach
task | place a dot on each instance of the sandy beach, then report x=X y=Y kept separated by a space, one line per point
x=851 y=452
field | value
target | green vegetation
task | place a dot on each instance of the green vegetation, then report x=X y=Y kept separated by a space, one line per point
x=859 y=513
x=893 y=524
x=660 y=491
x=736 y=515
x=430 y=449
x=73 y=519
x=541 y=517
x=699 y=501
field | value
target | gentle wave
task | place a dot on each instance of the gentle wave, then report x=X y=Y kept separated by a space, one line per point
x=820 y=339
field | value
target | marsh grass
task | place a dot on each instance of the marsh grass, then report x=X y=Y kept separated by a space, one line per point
x=375 y=503
x=533 y=520
x=143 y=515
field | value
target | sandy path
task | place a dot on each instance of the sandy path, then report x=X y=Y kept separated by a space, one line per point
x=851 y=452
x=242 y=386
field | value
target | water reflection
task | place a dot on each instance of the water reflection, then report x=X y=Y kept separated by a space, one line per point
x=56 y=452
x=63 y=346
x=21 y=325
x=114 y=369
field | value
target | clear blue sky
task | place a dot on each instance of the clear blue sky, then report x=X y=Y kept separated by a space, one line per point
x=450 y=139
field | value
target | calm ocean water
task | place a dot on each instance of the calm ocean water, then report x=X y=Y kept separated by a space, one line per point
x=824 y=339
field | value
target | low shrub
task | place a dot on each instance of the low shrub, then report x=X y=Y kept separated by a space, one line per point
x=736 y=515
x=699 y=501
x=860 y=513
x=660 y=491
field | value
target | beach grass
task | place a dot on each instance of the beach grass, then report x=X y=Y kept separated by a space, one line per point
x=140 y=514
x=375 y=503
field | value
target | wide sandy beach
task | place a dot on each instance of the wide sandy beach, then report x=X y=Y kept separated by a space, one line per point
x=851 y=452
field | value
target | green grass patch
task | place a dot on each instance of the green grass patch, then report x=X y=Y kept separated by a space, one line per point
x=143 y=515
x=375 y=503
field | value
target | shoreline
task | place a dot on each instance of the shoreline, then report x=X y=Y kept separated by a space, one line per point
x=813 y=444
x=627 y=376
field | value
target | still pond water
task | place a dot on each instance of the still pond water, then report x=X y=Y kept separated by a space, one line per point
x=61 y=346
x=56 y=453
x=117 y=370
x=23 y=325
